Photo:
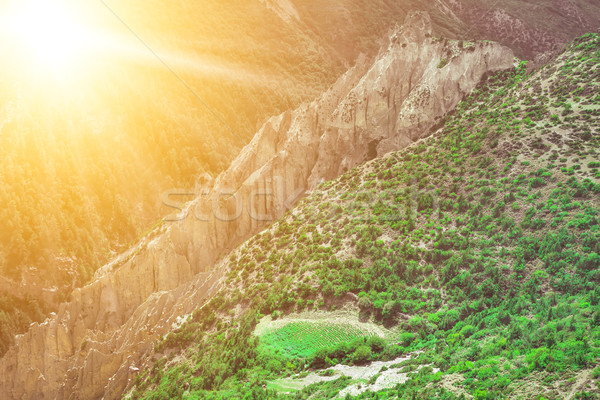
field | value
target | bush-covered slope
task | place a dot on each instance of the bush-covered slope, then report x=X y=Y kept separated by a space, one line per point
x=481 y=244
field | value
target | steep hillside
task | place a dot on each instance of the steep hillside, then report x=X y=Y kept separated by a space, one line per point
x=115 y=319
x=478 y=245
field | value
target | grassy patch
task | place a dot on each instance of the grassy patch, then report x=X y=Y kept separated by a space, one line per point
x=305 y=338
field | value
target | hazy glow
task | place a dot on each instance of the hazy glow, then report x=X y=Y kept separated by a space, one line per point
x=48 y=35
x=73 y=44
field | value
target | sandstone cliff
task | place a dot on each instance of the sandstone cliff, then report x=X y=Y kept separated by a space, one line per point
x=91 y=348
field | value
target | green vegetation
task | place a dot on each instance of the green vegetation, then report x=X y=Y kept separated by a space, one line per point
x=480 y=245
x=23 y=311
x=305 y=339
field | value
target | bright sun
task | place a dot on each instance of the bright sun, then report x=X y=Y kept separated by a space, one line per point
x=48 y=34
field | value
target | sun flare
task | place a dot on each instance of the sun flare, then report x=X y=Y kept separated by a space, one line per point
x=48 y=34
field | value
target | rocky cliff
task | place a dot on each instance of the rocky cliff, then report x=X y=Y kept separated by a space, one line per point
x=91 y=348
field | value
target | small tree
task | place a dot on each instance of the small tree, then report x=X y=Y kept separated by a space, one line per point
x=362 y=354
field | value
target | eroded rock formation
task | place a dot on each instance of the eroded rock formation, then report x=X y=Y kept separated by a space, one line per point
x=91 y=348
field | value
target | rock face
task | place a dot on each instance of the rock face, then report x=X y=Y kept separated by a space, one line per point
x=91 y=348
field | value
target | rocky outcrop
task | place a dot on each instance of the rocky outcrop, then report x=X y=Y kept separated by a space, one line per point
x=91 y=348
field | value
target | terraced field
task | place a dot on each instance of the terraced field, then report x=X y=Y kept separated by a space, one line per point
x=303 y=339
x=304 y=336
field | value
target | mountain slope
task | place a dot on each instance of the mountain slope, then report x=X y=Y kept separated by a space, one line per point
x=85 y=160
x=103 y=321
x=479 y=243
x=530 y=28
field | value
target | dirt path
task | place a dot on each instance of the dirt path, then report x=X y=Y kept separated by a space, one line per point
x=387 y=374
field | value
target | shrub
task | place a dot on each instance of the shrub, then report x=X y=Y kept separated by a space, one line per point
x=538 y=359
x=407 y=338
x=362 y=354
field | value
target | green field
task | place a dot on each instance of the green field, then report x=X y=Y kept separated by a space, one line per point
x=302 y=339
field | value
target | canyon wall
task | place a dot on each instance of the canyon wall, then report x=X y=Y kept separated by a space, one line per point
x=94 y=344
